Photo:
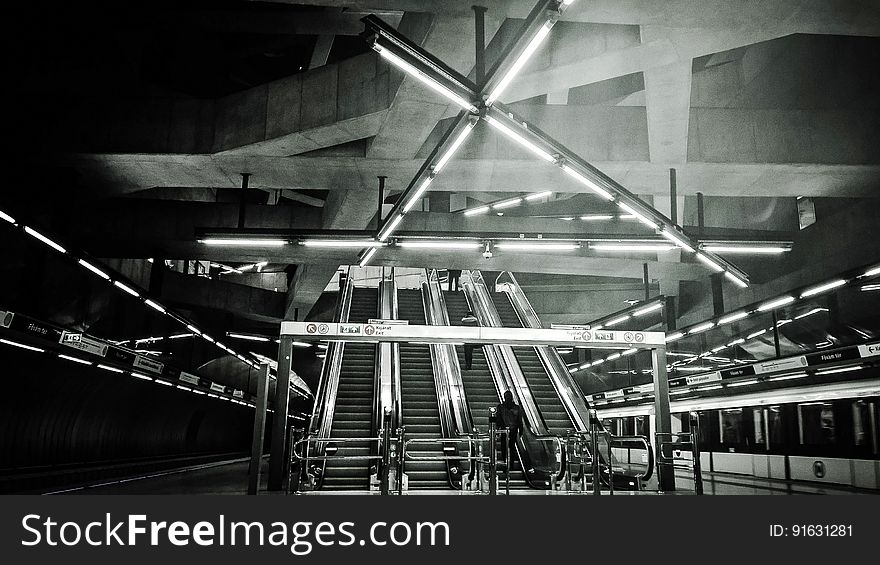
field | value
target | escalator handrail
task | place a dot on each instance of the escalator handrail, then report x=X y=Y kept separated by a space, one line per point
x=454 y=412
x=325 y=397
x=504 y=367
x=387 y=352
x=566 y=388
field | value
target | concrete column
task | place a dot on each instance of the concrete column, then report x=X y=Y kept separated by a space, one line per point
x=662 y=418
x=259 y=430
x=278 y=457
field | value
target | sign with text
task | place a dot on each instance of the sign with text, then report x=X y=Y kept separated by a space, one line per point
x=83 y=343
x=465 y=334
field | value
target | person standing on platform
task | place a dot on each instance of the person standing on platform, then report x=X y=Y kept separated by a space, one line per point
x=454 y=275
x=471 y=321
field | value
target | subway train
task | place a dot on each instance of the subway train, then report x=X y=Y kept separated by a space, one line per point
x=820 y=433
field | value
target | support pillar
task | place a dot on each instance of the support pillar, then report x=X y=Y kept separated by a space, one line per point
x=245 y=178
x=673 y=197
x=381 y=201
x=259 y=429
x=480 y=44
x=278 y=456
x=662 y=418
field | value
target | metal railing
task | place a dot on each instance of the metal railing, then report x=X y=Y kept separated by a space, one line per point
x=680 y=441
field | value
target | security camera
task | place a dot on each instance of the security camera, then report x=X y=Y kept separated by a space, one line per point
x=487 y=254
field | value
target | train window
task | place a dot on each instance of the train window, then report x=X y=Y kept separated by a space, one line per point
x=730 y=423
x=816 y=423
x=775 y=429
x=861 y=423
x=758 y=427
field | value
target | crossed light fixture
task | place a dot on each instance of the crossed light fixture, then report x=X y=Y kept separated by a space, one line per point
x=481 y=102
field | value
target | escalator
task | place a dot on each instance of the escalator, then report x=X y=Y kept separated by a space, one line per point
x=533 y=369
x=418 y=395
x=353 y=414
x=479 y=387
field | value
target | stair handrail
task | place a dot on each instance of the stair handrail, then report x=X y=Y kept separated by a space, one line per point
x=387 y=365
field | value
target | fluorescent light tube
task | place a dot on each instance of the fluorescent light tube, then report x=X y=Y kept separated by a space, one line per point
x=839 y=370
x=475 y=211
x=613 y=357
x=636 y=247
x=736 y=342
x=872 y=272
x=109 y=368
x=539 y=195
x=94 y=269
x=507 y=203
x=674 y=337
x=127 y=289
x=248 y=337
x=193 y=329
x=736 y=280
x=597 y=217
x=640 y=217
x=520 y=62
x=519 y=139
x=822 y=288
x=538 y=246
x=417 y=195
x=647 y=309
x=450 y=245
x=22 y=346
x=732 y=318
x=745 y=249
x=756 y=334
x=745 y=383
x=154 y=305
x=674 y=238
x=423 y=78
x=788 y=377
x=701 y=328
x=390 y=228
x=709 y=263
x=341 y=243
x=454 y=147
x=74 y=359
x=616 y=321
x=775 y=303
x=244 y=242
x=140 y=376
x=587 y=182
x=367 y=256
x=44 y=239
x=7 y=217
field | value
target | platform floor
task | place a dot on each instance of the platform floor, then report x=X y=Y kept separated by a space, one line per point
x=230 y=477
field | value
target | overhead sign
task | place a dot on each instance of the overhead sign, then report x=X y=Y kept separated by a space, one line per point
x=188 y=378
x=780 y=365
x=148 y=364
x=737 y=372
x=870 y=350
x=385 y=322
x=83 y=343
x=701 y=379
x=218 y=388
x=465 y=334
x=821 y=358
x=569 y=327
x=6 y=318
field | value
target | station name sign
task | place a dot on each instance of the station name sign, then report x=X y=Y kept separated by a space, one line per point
x=386 y=331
